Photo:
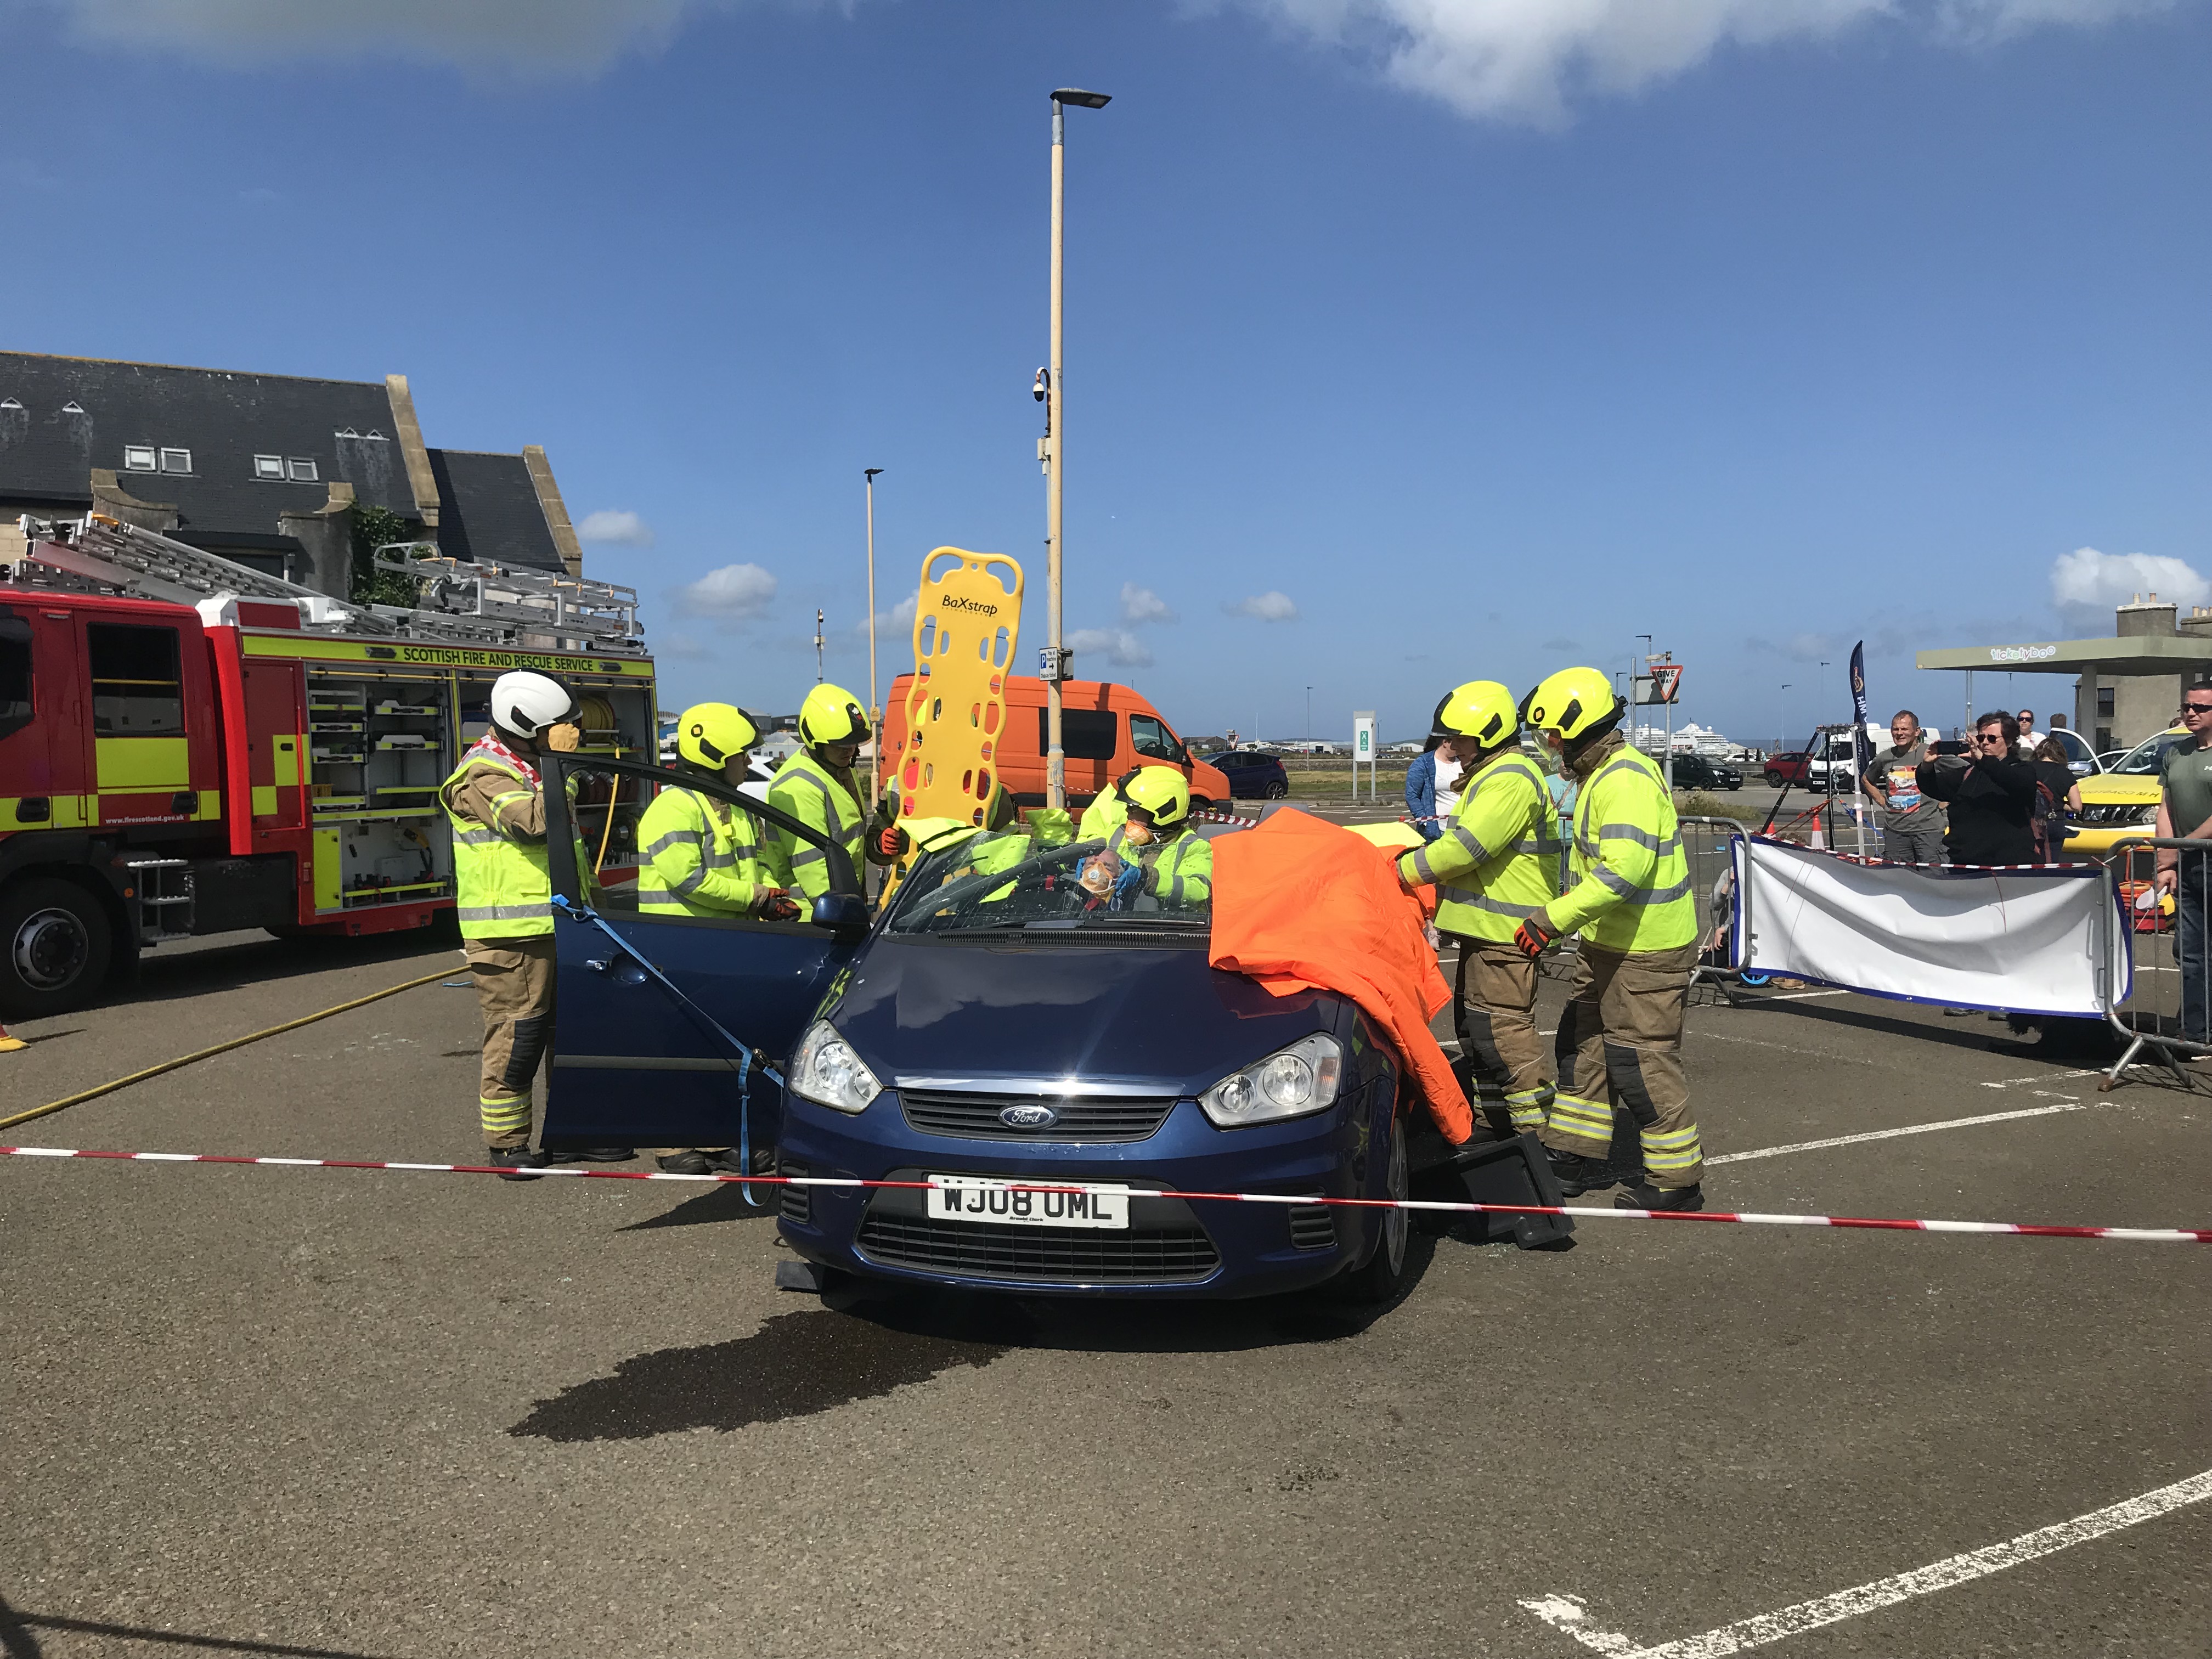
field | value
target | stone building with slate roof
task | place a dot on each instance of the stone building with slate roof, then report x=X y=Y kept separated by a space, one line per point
x=264 y=469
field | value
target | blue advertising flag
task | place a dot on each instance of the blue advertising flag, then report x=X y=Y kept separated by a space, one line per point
x=1862 y=745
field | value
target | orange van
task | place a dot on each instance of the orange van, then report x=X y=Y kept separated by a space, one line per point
x=1105 y=729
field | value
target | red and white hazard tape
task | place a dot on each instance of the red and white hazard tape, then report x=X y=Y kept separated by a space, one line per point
x=2022 y=1230
x=1208 y=816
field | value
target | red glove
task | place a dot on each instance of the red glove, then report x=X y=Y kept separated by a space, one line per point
x=1535 y=936
x=888 y=842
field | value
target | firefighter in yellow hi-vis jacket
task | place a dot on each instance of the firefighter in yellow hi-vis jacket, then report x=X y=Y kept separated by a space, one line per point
x=817 y=787
x=1621 y=1032
x=700 y=856
x=495 y=802
x=1496 y=865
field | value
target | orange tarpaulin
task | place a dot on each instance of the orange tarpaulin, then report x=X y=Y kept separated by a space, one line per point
x=1299 y=903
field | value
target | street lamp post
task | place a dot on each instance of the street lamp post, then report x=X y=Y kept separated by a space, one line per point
x=1310 y=714
x=1055 y=764
x=1646 y=638
x=875 y=705
x=1785 y=717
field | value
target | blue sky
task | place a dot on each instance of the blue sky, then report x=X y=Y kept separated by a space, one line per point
x=1408 y=343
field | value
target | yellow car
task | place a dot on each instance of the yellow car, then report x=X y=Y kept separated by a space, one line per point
x=2123 y=802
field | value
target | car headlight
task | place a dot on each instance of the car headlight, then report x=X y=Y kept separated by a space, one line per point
x=827 y=1072
x=2148 y=814
x=1289 y=1083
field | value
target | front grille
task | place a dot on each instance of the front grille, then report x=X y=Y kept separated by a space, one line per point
x=795 y=1203
x=2124 y=811
x=976 y=1117
x=1312 y=1227
x=1044 y=1258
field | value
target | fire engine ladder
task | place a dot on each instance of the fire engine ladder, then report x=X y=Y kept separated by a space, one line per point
x=482 y=598
x=107 y=553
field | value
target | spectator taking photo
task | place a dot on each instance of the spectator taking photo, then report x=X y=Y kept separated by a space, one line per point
x=1990 y=794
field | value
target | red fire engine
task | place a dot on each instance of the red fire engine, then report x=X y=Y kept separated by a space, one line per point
x=190 y=746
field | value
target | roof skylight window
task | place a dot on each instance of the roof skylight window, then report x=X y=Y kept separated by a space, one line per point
x=268 y=466
x=302 y=470
x=176 y=460
x=139 y=458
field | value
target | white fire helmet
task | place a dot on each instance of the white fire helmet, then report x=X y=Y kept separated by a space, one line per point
x=526 y=704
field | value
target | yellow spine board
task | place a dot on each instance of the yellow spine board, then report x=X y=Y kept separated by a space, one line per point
x=967 y=627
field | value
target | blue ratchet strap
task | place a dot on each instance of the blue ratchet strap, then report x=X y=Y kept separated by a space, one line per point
x=584 y=913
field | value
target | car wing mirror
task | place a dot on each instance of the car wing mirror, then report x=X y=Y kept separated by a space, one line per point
x=845 y=915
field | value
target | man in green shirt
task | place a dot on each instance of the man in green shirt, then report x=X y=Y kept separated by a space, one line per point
x=2184 y=813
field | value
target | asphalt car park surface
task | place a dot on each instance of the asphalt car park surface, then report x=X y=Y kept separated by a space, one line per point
x=345 y=1413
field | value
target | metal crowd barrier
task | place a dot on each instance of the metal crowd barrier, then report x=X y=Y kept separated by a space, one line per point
x=2169 y=1008
x=1708 y=848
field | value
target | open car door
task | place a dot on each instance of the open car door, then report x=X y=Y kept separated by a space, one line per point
x=655 y=1016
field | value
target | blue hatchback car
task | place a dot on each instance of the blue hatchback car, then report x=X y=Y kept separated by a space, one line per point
x=982 y=1033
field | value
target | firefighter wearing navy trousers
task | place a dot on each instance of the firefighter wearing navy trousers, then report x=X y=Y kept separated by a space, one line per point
x=495 y=802
x=1495 y=864
x=701 y=856
x=1620 y=1037
x=817 y=787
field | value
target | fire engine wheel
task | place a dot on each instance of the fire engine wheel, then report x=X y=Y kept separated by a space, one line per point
x=57 y=944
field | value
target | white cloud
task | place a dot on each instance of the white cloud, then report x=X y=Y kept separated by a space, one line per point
x=608 y=525
x=1269 y=607
x=736 y=592
x=1117 y=645
x=680 y=645
x=897 y=622
x=1527 y=60
x=2085 y=586
x=531 y=37
x=1140 y=606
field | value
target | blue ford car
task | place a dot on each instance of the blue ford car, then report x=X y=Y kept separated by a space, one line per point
x=985 y=1031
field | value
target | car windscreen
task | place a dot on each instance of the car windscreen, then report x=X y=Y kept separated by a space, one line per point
x=1006 y=885
x=2144 y=760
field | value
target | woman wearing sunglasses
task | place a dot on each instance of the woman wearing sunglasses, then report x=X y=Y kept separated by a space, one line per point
x=1991 y=796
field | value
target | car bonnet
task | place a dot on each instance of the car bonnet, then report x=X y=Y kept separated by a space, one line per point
x=1161 y=1016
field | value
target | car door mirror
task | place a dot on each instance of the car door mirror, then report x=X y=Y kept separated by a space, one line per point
x=844 y=914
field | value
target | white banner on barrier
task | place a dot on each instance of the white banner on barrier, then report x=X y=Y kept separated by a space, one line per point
x=2048 y=940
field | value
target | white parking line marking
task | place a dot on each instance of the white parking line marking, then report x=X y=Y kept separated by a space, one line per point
x=2066 y=1104
x=2040 y=1077
x=1566 y=1613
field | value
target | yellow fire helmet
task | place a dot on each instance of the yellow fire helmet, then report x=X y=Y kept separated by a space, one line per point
x=831 y=715
x=1162 y=791
x=1482 y=709
x=709 y=733
x=1573 y=702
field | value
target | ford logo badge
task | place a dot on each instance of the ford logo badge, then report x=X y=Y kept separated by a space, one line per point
x=1028 y=1117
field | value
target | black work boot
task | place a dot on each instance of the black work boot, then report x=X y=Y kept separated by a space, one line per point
x=727 y=1162
x=595 y=1154
x=516 y=1163
x=1641 y=1195
x=1577 y=1175
x=686 y=1162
